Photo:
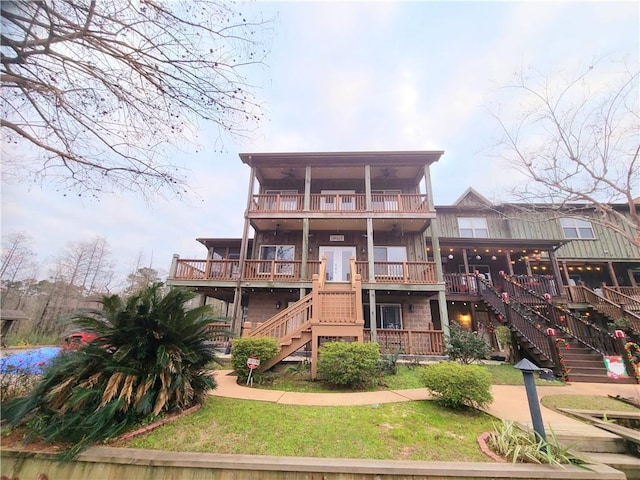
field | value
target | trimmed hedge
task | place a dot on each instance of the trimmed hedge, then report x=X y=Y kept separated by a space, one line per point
x=242 y=348
x=349 y=364
x=455 y=385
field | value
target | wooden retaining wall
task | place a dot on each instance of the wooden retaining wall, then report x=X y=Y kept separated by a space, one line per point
x=107 y=463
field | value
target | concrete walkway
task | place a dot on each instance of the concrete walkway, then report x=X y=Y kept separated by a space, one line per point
x=510 y=401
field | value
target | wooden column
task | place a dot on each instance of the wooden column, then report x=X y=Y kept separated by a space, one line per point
x=236 y=323
x=509 y=264
x=612 y=274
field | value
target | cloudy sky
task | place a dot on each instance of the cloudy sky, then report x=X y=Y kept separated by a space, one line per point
x=347 y=77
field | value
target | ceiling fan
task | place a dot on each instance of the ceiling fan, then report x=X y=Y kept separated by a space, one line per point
x=289 y=174
x=387 y=172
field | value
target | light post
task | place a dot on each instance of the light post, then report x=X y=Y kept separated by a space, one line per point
x=527 y=369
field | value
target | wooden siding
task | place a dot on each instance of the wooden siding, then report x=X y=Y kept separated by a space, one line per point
x=515 y=224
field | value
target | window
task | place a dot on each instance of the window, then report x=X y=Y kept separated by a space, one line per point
x=473 y=227
x=389 y=260
x=387 y=316
x=576 y=228
x=283 y=256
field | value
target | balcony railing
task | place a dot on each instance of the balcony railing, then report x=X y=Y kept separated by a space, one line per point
x=340 y=202
x=291 y=271
x=411 y=342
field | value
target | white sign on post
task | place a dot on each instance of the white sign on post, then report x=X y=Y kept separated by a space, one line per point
x=252 y=362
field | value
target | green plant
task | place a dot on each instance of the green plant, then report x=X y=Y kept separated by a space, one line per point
x=349 y=364
x=455 y=385
x=518 y=445
x=264 y=348
x=503 y=334
x=149 y=358
x=388 y=363
x=464 y=346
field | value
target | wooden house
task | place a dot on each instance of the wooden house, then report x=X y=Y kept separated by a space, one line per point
x=350 y=245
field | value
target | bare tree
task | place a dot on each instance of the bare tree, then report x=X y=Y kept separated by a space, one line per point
x=576 y=141
x=93 y=90
x=17 y=256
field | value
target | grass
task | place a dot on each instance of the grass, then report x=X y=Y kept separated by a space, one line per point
x=586 y=402
x=409 y=431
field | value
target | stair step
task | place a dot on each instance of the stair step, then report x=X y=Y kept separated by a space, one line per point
x=588 y=378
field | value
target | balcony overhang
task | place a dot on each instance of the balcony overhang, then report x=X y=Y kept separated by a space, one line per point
x=453 y=245
x=399 y=165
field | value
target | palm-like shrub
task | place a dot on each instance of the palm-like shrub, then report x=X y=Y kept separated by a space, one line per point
x=150 y=357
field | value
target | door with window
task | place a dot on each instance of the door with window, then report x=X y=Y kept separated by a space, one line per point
x=338 y=262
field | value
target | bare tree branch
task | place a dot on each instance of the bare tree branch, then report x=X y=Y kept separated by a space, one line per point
x=93 y=91
x=577 y=142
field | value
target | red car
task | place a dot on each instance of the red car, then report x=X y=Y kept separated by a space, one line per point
x=76 y=339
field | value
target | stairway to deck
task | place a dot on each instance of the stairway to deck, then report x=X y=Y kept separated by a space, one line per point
x=541 y=328
x=585 y=365
x=332 y=309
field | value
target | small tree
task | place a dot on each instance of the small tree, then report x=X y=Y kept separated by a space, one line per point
x=349 y=364
x=454 y=385
x=464 y=346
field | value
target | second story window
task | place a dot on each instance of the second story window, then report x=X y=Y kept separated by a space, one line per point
x=576 y=228
x=473 y=227
x=282 y=257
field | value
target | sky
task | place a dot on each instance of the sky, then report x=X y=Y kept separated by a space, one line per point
x=348 y=76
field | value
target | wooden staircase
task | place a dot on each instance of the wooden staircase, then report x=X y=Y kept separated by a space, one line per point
x=331 y=310
x=585 y=365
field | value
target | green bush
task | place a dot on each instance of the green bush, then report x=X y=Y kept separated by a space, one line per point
x=464 y=346
x=455 y=385
x=264 y=348
x=349 y=364
x=149 y=358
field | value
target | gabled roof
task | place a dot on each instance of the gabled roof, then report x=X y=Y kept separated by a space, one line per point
x=471 y=197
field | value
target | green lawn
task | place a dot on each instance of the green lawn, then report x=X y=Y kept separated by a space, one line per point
x=411 y=431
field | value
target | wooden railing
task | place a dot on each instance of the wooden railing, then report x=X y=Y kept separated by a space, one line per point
x=285 y=322
x=291 y=271
x=633 y=292
x=540 y=284
x=556 y=317
x=220 y=333
x=410 y=342
x=340 y=202
x=630 y=306
x=399 y=272
x=461 y=283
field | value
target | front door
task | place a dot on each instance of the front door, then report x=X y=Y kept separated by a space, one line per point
x=338 y=262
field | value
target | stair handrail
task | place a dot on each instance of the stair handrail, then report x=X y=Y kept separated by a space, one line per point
x=628 y=306
x=586 y=333
x=521 y=318
x=286 y=321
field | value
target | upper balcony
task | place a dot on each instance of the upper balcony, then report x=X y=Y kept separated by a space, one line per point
x=408 y=209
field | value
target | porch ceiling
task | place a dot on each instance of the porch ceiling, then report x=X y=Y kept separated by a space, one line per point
x=340 y=165
x=492 y=246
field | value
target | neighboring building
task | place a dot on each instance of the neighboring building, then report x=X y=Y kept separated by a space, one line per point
x=348 y=245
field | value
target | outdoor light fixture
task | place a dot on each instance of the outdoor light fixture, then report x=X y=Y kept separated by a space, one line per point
x=478 y=257
x=493 y=257
x=411 y=307
x=278 y=305
x=450 y=257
